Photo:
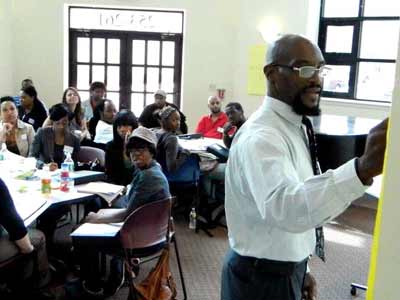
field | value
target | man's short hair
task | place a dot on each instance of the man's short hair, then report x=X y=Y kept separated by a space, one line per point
x=235 y=105
x=97 y=85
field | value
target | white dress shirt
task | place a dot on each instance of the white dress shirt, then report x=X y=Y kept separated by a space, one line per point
x=273 y=200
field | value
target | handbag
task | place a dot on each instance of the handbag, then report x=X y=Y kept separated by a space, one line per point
x=219 y=151
x=159 y=284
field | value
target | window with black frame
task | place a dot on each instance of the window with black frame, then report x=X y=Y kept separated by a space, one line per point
x=359 y=40
x=134 y=52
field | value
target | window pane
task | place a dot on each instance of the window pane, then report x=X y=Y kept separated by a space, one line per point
x=137 y=79
x=113 y=78
x=84 y=95
x=167 y=80
x=98 y=73
x=170 y=98
x=98 y=50
x=337 y=79
x=113 y=51
x=83 y=77
x=114 y=97
x=138 y=52
x=149 y=98
x=339 y=39
x=168 y=53
x=152 y=80
x=375 y=81
x=379 y=8
x=83 y=49
x=379 y=39
x=153 y=52
x=341 y=8
x=137 y=102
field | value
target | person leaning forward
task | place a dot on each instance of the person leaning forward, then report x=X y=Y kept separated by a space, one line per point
x=273 y=208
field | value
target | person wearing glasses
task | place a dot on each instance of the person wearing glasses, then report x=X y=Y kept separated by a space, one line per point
x=277 y=201
x=149 y=184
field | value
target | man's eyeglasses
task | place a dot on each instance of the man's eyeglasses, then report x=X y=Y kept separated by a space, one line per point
x=307 y=71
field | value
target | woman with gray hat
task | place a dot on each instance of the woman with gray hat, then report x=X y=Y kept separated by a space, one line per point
x=148 y=185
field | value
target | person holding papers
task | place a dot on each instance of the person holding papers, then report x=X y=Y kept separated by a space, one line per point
x=101 y=125
x=149 y=184
x=16 y=239
x=51 y=143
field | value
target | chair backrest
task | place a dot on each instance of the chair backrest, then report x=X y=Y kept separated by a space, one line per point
x=189 y=172
x=147 y=226
x=87 y=154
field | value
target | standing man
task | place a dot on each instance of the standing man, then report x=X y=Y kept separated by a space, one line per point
x=97 y=92
x=274 y=200
x=149 y=117
x=211 y=125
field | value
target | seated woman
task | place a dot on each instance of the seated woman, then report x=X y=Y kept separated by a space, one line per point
x=51 y=143
x=100 y=125
x=170 y=155
x=119 y=168
x=148 y=185
x=77 y=123
x=17 y=134
x=31 y=110
x=17 y=239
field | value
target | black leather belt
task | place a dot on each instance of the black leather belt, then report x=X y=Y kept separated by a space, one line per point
x=264 y=265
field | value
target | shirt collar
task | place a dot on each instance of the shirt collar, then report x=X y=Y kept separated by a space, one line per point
x=220 y=115
x=282 y=109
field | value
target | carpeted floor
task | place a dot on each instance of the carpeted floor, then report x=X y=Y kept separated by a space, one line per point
x=348 y=242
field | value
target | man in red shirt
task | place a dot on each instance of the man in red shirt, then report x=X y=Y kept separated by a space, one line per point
x=211 y=125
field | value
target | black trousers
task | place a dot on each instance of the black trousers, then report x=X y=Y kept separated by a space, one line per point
x=245 y=278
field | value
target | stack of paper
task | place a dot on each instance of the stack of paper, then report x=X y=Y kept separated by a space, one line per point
x=99 y=230
x=107 y=191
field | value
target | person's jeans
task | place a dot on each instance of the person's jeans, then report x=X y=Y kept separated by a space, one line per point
x=246 y=278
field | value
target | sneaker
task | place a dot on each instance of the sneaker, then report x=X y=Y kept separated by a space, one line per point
x=116 y=279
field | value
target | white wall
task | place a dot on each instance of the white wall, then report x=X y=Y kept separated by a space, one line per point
x=208 y=39
x=287 y=16
x=6 y=49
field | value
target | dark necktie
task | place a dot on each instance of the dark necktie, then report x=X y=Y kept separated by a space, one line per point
x=312 y=145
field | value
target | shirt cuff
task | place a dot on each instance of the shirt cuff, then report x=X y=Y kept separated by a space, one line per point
x=350 y=185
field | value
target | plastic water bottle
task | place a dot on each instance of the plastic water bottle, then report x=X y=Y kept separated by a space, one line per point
x=64 y=177
x=3 y=151
x=69 y=161
x=192 y=219
x=46 y=181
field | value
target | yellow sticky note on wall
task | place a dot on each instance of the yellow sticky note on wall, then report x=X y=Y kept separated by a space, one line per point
x=256 y=84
